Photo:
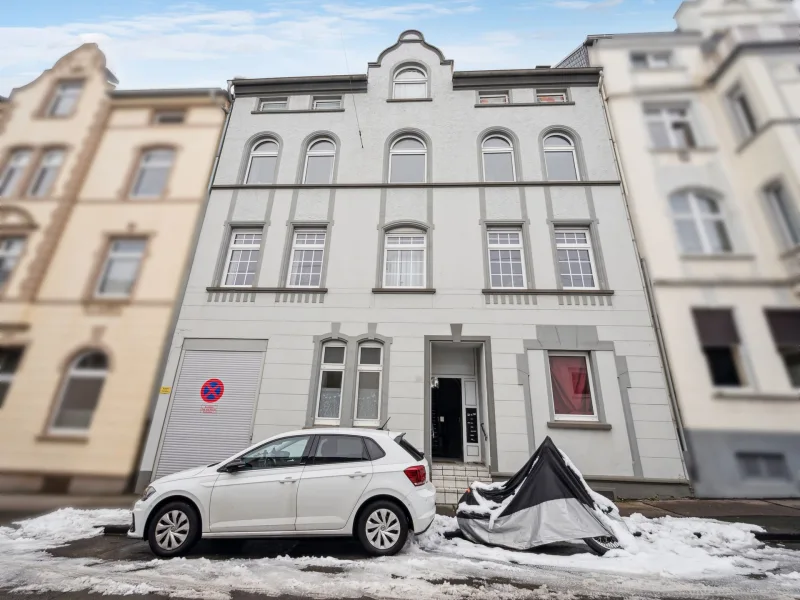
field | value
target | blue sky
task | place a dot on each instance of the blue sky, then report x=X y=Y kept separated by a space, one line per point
x=166 y=43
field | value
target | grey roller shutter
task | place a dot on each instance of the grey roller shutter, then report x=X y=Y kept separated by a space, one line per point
x=715 y=327
x=785 y=327
x=199 y=433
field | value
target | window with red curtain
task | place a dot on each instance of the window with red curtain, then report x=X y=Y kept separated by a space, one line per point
x=572 y=395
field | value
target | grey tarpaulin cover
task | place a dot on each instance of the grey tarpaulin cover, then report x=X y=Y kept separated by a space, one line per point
x=546 y=501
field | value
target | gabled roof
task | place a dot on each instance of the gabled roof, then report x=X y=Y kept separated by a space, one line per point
x=411 y=36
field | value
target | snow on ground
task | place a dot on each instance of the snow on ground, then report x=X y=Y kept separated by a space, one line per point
x=668 y=560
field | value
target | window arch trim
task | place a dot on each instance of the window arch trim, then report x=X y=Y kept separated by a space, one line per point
x=307 y=145
x=512 y=150
x=68 y=369
x=398 y=136
x=577 y=151
x=248 y=148
x=409 y=66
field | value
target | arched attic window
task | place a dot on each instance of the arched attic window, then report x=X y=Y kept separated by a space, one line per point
x=410 y=82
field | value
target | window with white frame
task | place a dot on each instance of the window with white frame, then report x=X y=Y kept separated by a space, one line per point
x=151 y=177
x=121 y=267
x=498 y=159
x=242 y=259
x=13 y=171
x=65 y=98
x=320 y=157
x=262 y=163
x=326 y=102
x=551 y=97
x=10 y=250
x=497 y=97
x=651 y=60
x=670 y=127
x=407 y=161
x=46 y=173
x=506 y=263
x=404 y=259
x=784 y=212
x=331 y=378
x=80 y=393
x=561 y=162
x=410 y=82
x=743 y=113
x=305 y=268
x=576 y=267
x=9 y=361
x=273 y=103
x=368 y=384
x=700 y=223
x=571 y=383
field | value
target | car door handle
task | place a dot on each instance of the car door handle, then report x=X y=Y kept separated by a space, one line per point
x=357 y=474
x=288 y=480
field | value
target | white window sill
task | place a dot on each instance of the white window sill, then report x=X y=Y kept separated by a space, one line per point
x=718 y=256
x=326 y=423
x=724 y=393
x=562 y=424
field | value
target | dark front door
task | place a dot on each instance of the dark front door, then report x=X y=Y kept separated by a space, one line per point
x=446 y=425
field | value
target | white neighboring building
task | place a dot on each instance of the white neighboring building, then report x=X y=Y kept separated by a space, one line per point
x=706 y=124
x=448 y=249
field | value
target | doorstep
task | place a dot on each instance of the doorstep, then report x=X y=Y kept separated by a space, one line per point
x=452 y=479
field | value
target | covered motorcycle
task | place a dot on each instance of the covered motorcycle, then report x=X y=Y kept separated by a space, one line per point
x=546 y=501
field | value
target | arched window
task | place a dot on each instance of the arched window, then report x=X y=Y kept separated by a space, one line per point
x=700 y=223
x=498 y=159
x=80 y=392
x=368 y=383
x=319 y=161
x=331 y=377
x=262 y=162
x=410 y=82
x=404 y=258
x=559 y=158
x=407 y=161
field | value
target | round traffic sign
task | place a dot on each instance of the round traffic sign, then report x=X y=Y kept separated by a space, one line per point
x=212 y=390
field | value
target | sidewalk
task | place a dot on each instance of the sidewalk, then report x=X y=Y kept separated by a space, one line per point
x=14 y=507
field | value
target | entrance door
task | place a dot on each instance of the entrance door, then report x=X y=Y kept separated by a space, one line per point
x=446 y=420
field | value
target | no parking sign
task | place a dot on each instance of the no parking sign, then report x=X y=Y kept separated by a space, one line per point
x=210 y=392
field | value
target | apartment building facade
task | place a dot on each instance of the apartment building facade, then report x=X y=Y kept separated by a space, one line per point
x=446 y=250
x=706 y=121
x=100 y=191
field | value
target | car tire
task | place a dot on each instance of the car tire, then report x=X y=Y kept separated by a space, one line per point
x=174 y=529
x=382 y=528
x=601 y=545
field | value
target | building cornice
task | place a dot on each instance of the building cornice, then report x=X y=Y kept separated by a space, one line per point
x=758 y=46
x=323 y=84
x=473 y=80
x=438 y=184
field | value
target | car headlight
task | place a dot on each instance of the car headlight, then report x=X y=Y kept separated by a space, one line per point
x=148 y=491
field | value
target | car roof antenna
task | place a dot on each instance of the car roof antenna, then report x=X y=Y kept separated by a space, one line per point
x=384 y=424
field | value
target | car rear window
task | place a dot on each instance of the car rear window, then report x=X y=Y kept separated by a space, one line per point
x=375 y=451
x=409 y=448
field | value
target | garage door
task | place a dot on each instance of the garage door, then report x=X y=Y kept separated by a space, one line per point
x=212 y=409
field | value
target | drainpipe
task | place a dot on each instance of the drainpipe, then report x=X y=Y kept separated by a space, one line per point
x=133 y=483
x=646 y=284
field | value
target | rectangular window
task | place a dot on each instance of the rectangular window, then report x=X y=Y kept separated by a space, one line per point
x=273 y=103
x=13 y=171
x=506 y=265
x=329 y=401
x=651 y=60
x=242 y=259
x=10 y=249
x=121 y=268
x=151 y=178
x=404 y=260
x=326 y=102
x=571 y=382
x=742 y=112
x=308 y=248
x=769 y=465
x=9 y=361
x=785 y=328
x=65 y=99
x=784 y=212
x=169 y=117
x=719 y=339
x=670 y=127
x=46 y=173
x=368 y=384
x=576 y=266
x=493 y=97
x=551 y=97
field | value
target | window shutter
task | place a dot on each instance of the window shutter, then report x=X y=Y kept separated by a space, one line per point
x=785 y=327
x=715 y=327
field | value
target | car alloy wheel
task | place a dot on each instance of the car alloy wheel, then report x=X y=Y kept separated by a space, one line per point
x=383 y=528
x=172 y=530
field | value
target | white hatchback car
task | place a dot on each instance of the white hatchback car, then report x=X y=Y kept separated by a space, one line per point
x=371 y=484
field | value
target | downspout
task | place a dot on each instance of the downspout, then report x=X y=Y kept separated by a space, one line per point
x=133 y=483
x=647 y=284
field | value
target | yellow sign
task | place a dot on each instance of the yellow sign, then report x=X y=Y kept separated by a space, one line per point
x=166 y=390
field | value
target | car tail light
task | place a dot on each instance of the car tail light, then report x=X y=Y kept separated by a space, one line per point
x=416 y=474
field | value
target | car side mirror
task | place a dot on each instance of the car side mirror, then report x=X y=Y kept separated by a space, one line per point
x=237 y=464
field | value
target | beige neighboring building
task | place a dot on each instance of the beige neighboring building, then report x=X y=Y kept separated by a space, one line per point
x=100 y=193
x=706 y=122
